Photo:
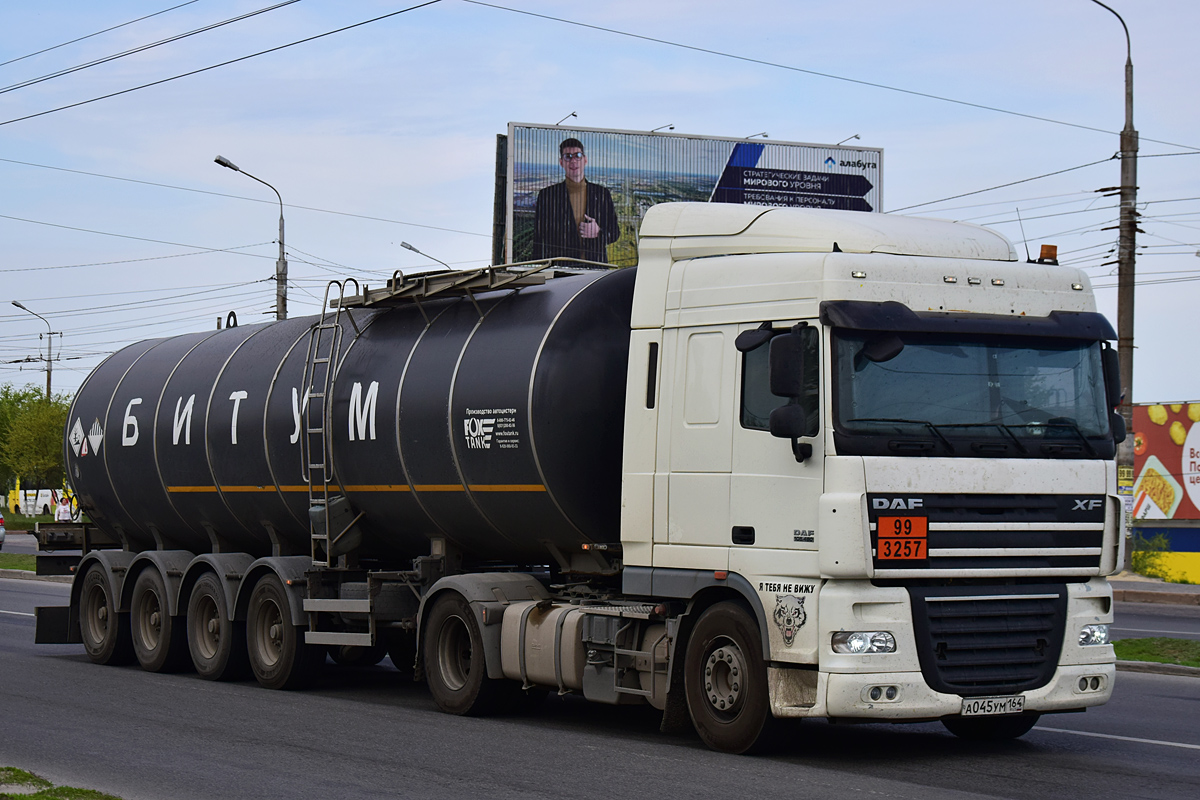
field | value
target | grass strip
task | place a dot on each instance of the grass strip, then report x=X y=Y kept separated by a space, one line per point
x=1161 y=650
x=25 y=561
x=42 y=789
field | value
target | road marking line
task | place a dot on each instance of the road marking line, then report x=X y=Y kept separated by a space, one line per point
x=19 y=613
x=1151 y=630
x=1121 y=738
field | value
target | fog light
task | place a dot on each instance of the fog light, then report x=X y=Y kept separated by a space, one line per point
x=1093 y=634
x=876 y=693
x=861 y=642
x=1095 y=683
x=891 y=693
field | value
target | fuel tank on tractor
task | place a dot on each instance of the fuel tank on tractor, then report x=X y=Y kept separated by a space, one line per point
x=494 y=423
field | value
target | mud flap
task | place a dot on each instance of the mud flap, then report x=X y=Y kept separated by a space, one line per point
x=54 y=626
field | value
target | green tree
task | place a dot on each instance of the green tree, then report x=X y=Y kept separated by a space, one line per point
x=32 y=446
x=12 y=400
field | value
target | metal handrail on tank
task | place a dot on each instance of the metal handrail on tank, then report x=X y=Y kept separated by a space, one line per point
x=467 y=282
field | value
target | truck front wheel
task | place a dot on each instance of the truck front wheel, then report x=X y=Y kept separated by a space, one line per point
x=725 y=680
x=454 y=660
x=104 y=630
x=278 y=655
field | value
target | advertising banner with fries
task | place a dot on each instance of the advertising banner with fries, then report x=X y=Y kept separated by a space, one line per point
x=1166 y=466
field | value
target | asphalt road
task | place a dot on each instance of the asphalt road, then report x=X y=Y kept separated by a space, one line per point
x=370 y=733
x=1146 y=620
x=19 y=543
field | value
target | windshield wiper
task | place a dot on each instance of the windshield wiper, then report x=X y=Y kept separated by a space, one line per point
x=933 y=428
x=1071 y=425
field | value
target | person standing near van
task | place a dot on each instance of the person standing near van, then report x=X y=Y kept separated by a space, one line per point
x=63 y=512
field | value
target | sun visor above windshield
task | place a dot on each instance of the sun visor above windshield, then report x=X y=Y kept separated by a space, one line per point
x=894 y=316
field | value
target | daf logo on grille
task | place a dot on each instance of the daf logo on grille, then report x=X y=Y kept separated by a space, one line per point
x=884 y=503
x=1087 y=505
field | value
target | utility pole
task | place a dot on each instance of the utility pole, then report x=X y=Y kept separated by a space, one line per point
x=1126 y=244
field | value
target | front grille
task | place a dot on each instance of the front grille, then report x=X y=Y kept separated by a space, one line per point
x=981 y=640
x=1020 y=534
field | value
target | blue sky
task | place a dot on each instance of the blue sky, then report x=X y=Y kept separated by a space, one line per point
x=386 y=133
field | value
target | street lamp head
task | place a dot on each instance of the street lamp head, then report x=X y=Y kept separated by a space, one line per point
x=408 y=246
x=17 y=303
x=225 y=162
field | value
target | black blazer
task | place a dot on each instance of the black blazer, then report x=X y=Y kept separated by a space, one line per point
x=555 y=232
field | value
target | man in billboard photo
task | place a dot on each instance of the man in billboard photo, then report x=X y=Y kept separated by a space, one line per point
x=574 y=218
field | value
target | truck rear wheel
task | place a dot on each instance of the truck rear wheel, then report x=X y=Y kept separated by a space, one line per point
x=454 y=660
x=725 y=680
x=158 y=639
x=992 y=729
x=217 y=643
x=278 y=655
x=104 y=630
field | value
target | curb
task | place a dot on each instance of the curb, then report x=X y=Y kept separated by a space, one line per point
x=1158 y=669
x=27 y=575
x=1163 y=597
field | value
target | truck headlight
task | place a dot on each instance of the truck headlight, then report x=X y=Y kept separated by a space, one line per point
x=861 y=642
x=1093 y=634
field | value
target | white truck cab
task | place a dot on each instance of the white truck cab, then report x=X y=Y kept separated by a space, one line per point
x=932 y=541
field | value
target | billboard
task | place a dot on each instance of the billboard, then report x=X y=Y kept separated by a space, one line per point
x=582 y=192
x=1166 y=461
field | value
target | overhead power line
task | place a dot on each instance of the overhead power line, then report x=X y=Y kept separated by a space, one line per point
x=1003 y=185
x=815 y=73
x=243 y=197
x=227 y=63
x=97 y=33
x=141 y=48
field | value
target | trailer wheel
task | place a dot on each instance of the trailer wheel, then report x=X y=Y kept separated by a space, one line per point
x=158 y=639
x=104 y=630
x=278 y=655
x=217 y=643
x=351 y=656
x=992 y=729
x=725 y=680
x=454 y=660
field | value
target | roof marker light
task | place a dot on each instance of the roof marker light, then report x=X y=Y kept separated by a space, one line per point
x=950 y=279
x=997 y=281
x=858 y=274
x=974 y=281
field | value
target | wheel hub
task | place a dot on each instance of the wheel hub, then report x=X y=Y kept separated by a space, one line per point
x=723 y=675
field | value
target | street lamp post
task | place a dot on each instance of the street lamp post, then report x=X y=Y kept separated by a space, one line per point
x=1126 y=244
x=50 y=334
x=281 y=264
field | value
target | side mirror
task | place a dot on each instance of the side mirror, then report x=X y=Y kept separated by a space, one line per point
x=787 y=365
x=1115 y=421
x=1112 y=376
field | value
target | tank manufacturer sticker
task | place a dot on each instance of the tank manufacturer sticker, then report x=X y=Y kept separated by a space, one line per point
x=76 y=438
x=485 y=427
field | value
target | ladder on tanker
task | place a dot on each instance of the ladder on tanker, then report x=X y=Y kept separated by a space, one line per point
x=320 y=367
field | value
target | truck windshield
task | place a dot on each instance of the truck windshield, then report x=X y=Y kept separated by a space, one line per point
x=973 y=396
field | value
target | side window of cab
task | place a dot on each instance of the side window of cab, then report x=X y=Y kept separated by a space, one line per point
x=757 y=400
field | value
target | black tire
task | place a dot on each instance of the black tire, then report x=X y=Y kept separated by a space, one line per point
x=278 y=655
x=104 y=630
x=991 y=729
x=216 y=643
x=454 y=662
x=725 y=680
x=159 y=640
x=350 y=656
